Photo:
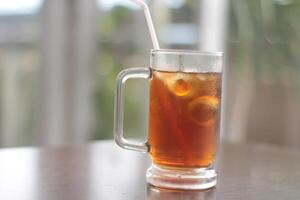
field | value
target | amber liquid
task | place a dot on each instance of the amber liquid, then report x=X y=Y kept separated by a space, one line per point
x=184 y=118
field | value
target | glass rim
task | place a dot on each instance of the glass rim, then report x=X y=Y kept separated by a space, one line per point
x=188 y=52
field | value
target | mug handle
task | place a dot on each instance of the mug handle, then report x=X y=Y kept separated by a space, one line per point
x=123 y=76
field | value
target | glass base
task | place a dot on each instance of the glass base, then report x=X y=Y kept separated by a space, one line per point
x=184 y=179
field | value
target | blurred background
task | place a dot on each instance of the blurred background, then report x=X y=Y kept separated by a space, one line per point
x=59 y=60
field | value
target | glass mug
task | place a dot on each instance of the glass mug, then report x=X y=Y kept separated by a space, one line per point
x=184 y=117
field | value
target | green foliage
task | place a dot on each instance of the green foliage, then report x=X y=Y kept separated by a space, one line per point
x=264 y=35
x=113 y=52
x=113 y=21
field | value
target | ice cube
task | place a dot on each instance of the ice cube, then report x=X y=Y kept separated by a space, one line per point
x=201 y=77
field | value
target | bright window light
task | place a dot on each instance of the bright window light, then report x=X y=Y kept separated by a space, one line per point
x=109 y=4
x=19 y=7
x=175 y=4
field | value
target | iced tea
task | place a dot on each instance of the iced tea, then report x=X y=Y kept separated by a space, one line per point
x=184 y=118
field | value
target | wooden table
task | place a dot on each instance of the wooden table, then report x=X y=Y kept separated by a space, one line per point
x=103 y=171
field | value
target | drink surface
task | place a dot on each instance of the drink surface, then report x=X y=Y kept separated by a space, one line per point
x=184 y=118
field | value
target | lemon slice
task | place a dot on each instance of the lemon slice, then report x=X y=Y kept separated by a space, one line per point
x=179 y=84
x=203 y=110
x=181 y=87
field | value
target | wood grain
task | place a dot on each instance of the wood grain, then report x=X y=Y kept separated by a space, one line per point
x=104 y=171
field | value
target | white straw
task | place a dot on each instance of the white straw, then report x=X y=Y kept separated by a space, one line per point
x=145 y=7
